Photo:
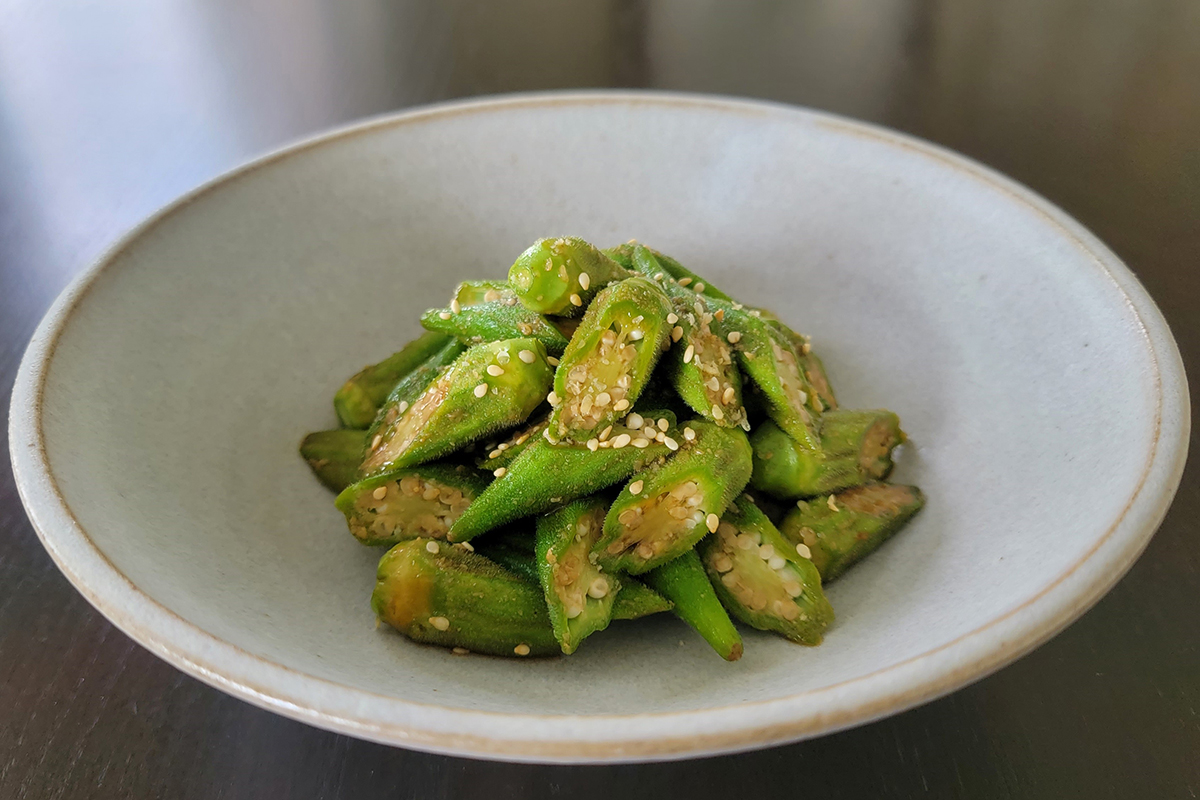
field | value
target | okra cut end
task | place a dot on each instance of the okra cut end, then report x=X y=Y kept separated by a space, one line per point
x=561 y=275
x=333 y=456
x=422 y=501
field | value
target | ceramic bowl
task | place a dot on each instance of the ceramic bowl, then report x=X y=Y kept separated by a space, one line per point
x=157 y=411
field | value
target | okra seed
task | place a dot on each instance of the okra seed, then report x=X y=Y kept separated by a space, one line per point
x=573 y=611
x=641 y=442
x=444 y=314
x=454 y=306
x=431 y=547
x=720 y=315
x=644 y=551
x=649 y=430
x=604 y=433
x=711 y=522
x=491 y=295
x=671 y=444
x=672 y=318
x=481 y=390
x=470 y=548
x=803 y=550
x=500 y=472
x=792 y=588
x=744 y=542
x=766 y=552
x=734 y=337
x=551 y=558
x=636 y=335
x=585 y=281
x=776 y=562
x=723 y=563
x=635 y=420
x=621 y=405
x=521 y=649
x=676 y=333
x=622 y=440
x=495 y=370
x=552 y=361
x=689 y=434
x=379 y=493
x=599 y=588
x=602 y=399
x=635 y=487
x=552 y=399
x=593 y=444
x=441 y=623
x=576 y=300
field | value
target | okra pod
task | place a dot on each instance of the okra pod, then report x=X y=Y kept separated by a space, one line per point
x=684 y=582
x=666 y=508
x=546 y=475
x=814 y=372
x=500 y=455
x=488 y=311
x=334 y=456
x=636 y=600
x=762 y=580
x=412 y=385
x=360 y=397
x=839 y=530
x=441 y=594
x=856 y=447
x=489 y=387
x=609 y=359
x=561 y=276
x=579 y=593
x=690 y=280
x=421 y=501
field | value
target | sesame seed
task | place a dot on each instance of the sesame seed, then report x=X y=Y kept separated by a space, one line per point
x=711 y=522
x=521 y=649
x=551 y=558
x=527 y=356
x=641 y=442
x=441 y=623
x=402 y=406
x=375 y=442
x=720 y=315
x=495 y=453
x=636 y=487
x=684 y=281
x=593 y=444
x=734 y=337
x=728 y=396
x=460 y=651
x=635 y=420
x=805 y=348
x=699 y=287
x=481 y=390
x=470 y=548
x=444 y=314
x=379 y=493
x=621 y=405
x=500 y=472
x=552 y=361
x=495 y=370
x=803 y=550
x=431 y=547
x=689 y=434
x=622 y=440
x=676 y=333
x=455 y=307
x=604 y=433
x=687 y=354
x=585 y=281
x=671 y=444
x=552 y=399
x=672 y=318
x=576 y=300
x=831 y=503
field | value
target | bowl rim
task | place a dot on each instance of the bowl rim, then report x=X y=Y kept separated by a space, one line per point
x=607 y=738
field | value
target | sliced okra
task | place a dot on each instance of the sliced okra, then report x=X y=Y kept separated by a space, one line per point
x=412 y=385
x=762 y=580
x=561 y=276
x=814 y=372
x=665 y=509
x=421 y=501
x=684 y=582
x=579 y=593
x=488 y=311
x=500 y=455
x=839 y=530
x=489 y=387
x=546 y=475
x=442 y=594
x=856 y=447
x=334 y=456
x=609 y=359
x=690 y=280
x=637 y=600
x=357 y=402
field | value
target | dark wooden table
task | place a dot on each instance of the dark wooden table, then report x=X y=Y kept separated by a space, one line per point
x=108 y=110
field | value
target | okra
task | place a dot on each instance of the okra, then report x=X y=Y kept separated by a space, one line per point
x=666 y=508
x=609 y=359
x=441 y=594
x=412 y=385
x=684 y=582
x=690 y=280
x=856 y=447
x=636 y=600
x=561 y=276
x=813 y=370
x=421 y=501
x=360 y=397
x=489 y=387
x=762 y=580
x=546 y=475
x=579 y=593
x=488 y=311
x=500 y=455
x=334 y=456
x=839 y=530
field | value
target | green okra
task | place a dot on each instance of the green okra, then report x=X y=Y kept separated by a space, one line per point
x=421 y=501
x=690 y=280
x=546 y=475
x=489 y=387
x=636 y=600
x=666 y=508
x=334 y=456
x=684 y=582
x=814 y=372
x=443 y=594
x=839 y=530
x=762 y=580
x=579 y=593
x=412 y=385
x=856 y=447
x=488 y=311
x=357 y=402
x=499 y=455
x=561 y=276
x=609 y=359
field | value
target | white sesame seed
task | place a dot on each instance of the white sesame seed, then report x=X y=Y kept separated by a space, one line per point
x=576 y=300
x=460 y=651
x=734 y=337
x=402 y=406
x=444 y=315
x=495 y=453
x=495 y=370
x=585 y=281
x=500 y=472
x=831 y=503
x=684 y=281
x=676 y=333
x=636 y=487
x=689 y=434
x=521 y=649
x=699 y=287
x=687 y=354
x=803 y=550
x=805 y=348
x=552 y=399
x=672 y=318
x=441 y=623
x=664 y=424
x=671 y=444
x=728 y=396
x=635 y=420
x=658 y=276
x=455 y=307
x=552 y=361
x=379 y=493
x=641 y=442
x=636 y=335
x=431 y=547
x=593 y=444
x=470 y=548
x=604 y=433
x=527 y=356
x=622 y=440
x=481 y=390
x=720 y=315
x=711 y=522
x=621 y=405
x=717 y=413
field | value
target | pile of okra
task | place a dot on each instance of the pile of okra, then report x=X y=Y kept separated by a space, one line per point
x=574 y=445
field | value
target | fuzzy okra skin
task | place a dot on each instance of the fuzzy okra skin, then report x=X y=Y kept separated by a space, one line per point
x=488 y=311
x=674 y=271
x=561 y=275
x=421 y=501
x=489 y=387
x=334 y=456
x=546 y=475
x=684 y=582
x=410 y=387
x=856 y=447
x=665 y=509
x=579 y=593
x=762 y=580
x=637 y=600
x=839 y=530
x=609 y=359
x=441 y=594
x=359 y=398
x=499 y=455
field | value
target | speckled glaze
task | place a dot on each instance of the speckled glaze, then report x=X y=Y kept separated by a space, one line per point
x=156 y=414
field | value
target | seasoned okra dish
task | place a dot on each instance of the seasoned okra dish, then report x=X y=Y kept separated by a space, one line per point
x=605 y=435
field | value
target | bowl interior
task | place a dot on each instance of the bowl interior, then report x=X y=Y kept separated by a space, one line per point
x=200 y=356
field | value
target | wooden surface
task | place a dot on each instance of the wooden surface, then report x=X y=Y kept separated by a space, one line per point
x=108 y=110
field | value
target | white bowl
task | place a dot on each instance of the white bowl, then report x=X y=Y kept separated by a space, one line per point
x=157 y=411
